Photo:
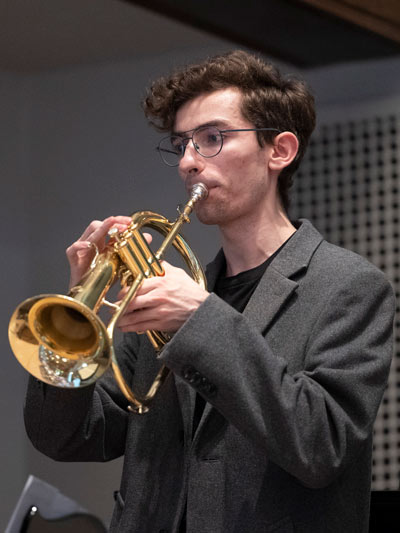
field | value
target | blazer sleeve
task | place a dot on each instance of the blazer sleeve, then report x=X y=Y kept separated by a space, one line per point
x=313 y=422
x=85 y=424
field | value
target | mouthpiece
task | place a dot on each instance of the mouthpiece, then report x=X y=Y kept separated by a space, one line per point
x=198 y=192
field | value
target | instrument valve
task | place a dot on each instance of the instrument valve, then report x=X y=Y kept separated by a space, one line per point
x=120 y=239
x=114 y=234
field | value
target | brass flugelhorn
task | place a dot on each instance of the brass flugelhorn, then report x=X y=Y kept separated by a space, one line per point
x=61 y=340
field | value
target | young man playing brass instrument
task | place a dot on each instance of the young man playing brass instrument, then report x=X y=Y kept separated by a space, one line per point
x=278 y=368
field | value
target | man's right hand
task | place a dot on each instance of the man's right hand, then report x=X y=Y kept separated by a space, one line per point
x=81 y=253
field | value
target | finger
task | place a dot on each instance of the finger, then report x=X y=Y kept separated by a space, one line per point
x=79 y=256
x=93 y=226
x=100 y=233
x=136 y=303
x=147 y=285
x=138 y=322
x=138 y=329
x=141 y=302
x=121 y=294
x=171 y=269
x=78 y=248
x=148 y=237
x=166 y=265
x=97 y=230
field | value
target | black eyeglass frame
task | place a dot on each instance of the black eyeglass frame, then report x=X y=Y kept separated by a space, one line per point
x=190 y=138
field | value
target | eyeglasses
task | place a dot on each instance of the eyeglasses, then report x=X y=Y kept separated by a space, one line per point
x=207 y=141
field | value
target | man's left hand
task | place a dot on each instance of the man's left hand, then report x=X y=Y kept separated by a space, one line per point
x=162 y=303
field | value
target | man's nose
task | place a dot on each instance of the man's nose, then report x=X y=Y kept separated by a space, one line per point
x=191 y=161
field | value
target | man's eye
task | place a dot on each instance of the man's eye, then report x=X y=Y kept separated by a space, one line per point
x=177 y=145
x=210 y=138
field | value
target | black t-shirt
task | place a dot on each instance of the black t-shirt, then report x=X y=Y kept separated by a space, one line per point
x=237 y=290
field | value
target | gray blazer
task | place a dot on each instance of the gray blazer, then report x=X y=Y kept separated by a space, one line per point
x=293 y=386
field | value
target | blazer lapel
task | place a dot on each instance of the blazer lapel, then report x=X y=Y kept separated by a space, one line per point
x=280 y=279
x=274 y=289
x=272 y=292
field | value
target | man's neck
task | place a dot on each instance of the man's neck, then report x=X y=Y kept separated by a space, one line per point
x=247 y=244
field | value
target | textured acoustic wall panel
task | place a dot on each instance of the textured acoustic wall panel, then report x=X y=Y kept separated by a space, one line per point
x=349 y=187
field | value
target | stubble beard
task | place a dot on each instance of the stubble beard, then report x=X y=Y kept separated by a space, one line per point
x=210 y=215
x=216 y=214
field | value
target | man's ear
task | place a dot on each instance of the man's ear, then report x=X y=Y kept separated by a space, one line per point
x=284 y=150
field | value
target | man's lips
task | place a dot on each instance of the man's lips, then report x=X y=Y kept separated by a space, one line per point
x=210 y=184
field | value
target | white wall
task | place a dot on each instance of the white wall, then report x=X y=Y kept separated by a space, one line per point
x=75 y=146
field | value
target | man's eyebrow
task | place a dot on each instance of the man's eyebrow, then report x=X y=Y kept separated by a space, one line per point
x=217 y=123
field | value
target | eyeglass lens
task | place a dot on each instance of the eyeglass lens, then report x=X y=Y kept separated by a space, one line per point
x=207 y=141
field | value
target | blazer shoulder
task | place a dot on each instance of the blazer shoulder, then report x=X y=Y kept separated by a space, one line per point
x=343 y=259
x=340 y=265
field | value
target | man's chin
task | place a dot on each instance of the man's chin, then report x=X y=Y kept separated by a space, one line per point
x=208 y=218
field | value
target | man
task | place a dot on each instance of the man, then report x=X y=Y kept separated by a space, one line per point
x=278 y=369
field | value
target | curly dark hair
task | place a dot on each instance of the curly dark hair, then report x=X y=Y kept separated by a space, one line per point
x=269 y=100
